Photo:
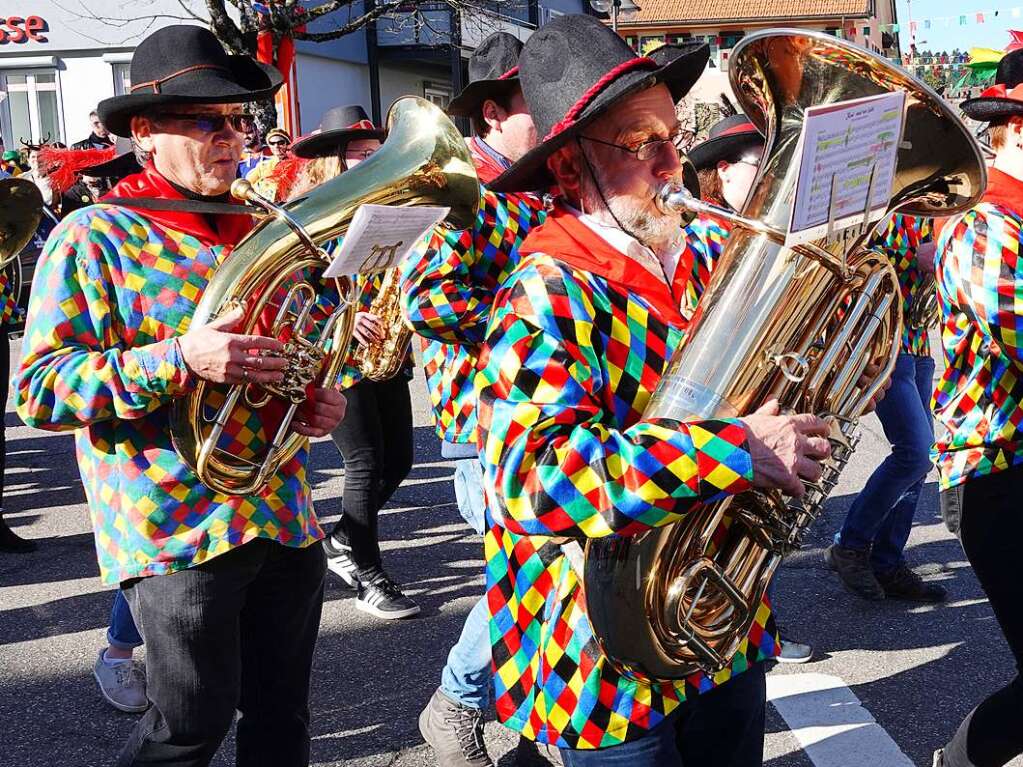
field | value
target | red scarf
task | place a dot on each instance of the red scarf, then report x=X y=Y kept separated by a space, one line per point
x=1004 y=191
x=149 y=183
x=487 y=168
x=564 y=237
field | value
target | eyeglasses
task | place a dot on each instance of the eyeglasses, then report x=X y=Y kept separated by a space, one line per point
x=277 y=143
x=213 y=122
x=648 y=150
x=359 y=154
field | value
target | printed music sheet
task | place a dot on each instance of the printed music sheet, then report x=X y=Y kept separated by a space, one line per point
x=380 y=236
x=847 y=152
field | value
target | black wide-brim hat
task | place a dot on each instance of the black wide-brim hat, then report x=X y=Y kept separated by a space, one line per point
x=493 y=73
x=186 y=64
x=572 y=70
x=338 y=127
x=727 y=140
x=997 y=101
x=123 y=164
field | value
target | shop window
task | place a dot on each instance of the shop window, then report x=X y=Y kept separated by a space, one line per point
x=437 y=94
x=122 y=78
x=29 y=106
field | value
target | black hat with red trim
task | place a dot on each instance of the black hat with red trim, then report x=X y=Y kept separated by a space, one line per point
x=727 y=140
x=1005 y=97
x=572 y=70
x=186 y=64
x=338 y=126
x=493 y=73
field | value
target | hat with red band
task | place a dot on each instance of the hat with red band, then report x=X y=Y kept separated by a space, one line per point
x=186 y=64
x=727 y=140
x=572 y=70
x=1005 y=97
x=493 y=72
x=338 y=127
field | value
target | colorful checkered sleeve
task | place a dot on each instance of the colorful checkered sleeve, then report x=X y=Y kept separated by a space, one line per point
x=75 y=367
x=979 y=398
x=8 y=301
x=565 y=452
x=705 y=238
x=901 y=239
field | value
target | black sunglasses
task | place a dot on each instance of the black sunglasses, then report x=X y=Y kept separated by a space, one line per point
x=212 y=122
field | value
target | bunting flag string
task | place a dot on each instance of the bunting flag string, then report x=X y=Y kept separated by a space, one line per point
x=960 y=19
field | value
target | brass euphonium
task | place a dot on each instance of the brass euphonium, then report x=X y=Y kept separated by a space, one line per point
x=21 y=210
x=923 y=309
x=800 y=325
x=276 y=273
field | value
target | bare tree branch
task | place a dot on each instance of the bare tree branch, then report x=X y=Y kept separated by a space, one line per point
x=224 y=28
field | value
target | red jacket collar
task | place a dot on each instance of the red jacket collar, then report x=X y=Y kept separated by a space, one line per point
x=564 y=237
x=209 y=230
x=487 y=168
x=1003 y=190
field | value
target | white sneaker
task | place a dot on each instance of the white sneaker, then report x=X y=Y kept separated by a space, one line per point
x=340 y=562
x=121 y=684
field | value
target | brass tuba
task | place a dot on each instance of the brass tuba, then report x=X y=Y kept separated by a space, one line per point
x=21 y=210
x=800 y=325
x=236 y=437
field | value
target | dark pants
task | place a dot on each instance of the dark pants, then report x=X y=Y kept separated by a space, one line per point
x=5 y=389
x=234 y=633
x=721 y=728
x=375 y=440
x=990 y=524
x=881 y=517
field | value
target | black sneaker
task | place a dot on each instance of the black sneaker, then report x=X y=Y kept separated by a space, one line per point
x=853 y=567
x=339 y=561
x=380 y=596
x=903 y=583
x=12 y=543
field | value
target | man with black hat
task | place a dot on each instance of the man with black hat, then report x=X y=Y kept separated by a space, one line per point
x=226 y=589
x=979 y=404
x=577 y=340
x=448 y=294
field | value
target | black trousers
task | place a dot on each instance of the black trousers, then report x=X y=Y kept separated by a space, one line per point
x=375 y=441
x=5 y=390
x=988 y=515
x=234 y=633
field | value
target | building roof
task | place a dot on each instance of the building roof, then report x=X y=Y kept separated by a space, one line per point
x=685 y=12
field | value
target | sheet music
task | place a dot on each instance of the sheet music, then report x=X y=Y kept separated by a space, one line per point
x=380 y=236
x=846 y=149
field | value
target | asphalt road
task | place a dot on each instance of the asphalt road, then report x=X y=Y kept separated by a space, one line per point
x=916 y=670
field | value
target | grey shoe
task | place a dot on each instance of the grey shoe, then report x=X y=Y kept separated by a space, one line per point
x=853 y=567
x=455 y=732
x=903 y=583
x=121 y=685
x=794 y=652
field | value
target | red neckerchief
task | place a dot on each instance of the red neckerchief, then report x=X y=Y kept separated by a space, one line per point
x=1004 y=190
x=487 y=168
x=564 y=237
x=149 y=183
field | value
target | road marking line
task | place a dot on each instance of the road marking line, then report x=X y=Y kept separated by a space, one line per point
x=830 y=723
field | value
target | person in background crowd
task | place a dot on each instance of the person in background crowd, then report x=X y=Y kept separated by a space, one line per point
x=100 y=137
x=242 y=574
x=254 y=152
x=279 y=142
x=978 y=403
x=37 y=175
x=375 y=441
x=868 y=551
x=448 y=293
x=578 y=337
x=10 y=162
x=10 y=541
x=727 y=164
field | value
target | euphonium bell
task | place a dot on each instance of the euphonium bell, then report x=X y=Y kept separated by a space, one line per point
x=799 y=325
x=21 y=210
x=236 y=437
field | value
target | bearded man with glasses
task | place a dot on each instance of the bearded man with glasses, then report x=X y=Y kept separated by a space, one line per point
x=226 y=590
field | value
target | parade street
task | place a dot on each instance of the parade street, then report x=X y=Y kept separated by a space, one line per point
x=889 y=682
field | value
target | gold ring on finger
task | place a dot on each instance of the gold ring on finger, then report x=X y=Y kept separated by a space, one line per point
x=245 y=374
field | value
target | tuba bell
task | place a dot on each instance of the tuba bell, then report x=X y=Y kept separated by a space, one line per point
x=798 y=325
x=235 y=437
x=21 y=210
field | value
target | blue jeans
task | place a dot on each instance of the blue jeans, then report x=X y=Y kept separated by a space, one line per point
x=466 y=676
x=724 y=726
x=881 y=517
x=122 y=633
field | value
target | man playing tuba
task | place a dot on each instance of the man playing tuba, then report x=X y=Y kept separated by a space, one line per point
x=227 y=590
x=577 y=340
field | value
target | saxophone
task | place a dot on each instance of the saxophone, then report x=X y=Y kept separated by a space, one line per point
x=381 y=361
x=799 y=325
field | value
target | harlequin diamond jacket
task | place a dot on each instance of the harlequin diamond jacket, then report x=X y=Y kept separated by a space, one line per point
x=979 y=277
x=578 y=340
x=450 y=289
x=113 y=290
